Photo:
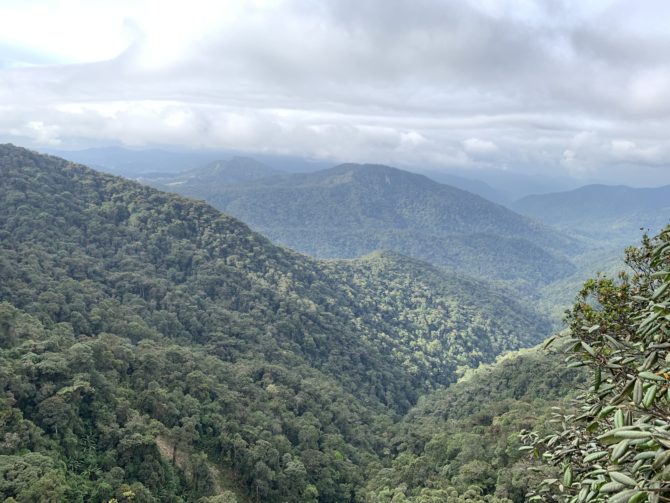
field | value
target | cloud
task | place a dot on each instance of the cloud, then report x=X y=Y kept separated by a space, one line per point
x=477 y=146
x=39 y=132
x=504 y=84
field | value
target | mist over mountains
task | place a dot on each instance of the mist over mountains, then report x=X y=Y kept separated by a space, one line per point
x=608 y=212
x=334 y=251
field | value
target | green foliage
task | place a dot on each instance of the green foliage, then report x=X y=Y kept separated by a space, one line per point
x=152 y=349
x=454 y=321
x=351 y=210
x=616 y=447
x=465 y=438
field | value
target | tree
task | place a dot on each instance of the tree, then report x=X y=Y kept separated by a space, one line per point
x=616 y=446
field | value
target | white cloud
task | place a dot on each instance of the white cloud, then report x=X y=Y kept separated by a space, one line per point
x=477 y=146
x=39 y=132
x=515 y=83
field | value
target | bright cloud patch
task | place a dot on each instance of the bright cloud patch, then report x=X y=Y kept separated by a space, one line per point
x=526 y=85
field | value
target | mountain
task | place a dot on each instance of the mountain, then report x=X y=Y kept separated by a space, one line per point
x=602 y=211
x=136 y=162
x=473 y=185
x=154 y=349
x=352 y=209
x=232 y=171
x=513 y=185
x=218 y=173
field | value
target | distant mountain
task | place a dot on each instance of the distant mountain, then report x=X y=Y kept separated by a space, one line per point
x=353 y=209
x=507 y=186
x=218 y=173
x=602 y=211
x=132 y=163
x=473 y=185
x=136 y=162
x=153 y=348
x=233 y=171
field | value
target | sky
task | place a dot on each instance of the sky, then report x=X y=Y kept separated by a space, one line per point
x=555 y=87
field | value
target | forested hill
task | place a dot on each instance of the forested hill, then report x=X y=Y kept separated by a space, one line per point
x=465 y=440
x=351 y=210
x=604 y=211
x=215 y=174
x=151 y=344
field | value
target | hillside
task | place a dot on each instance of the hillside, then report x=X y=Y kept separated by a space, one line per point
x=602 y=211
x=215 y=174
x=151 y=344
x=465 y=440
x=135 y=162
x=351 y=210
x=473 y=185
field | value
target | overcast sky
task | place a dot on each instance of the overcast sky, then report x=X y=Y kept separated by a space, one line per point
x=555 y=87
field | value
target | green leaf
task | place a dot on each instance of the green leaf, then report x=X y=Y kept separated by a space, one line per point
x=620 y=449
x=661 y=460
x=649 y=396
x=649 y=361
x=638 y=497
x=660 y=291
x=567 y=476
x=619 y=419
x=623 y=496
x=612 y=487
x=622 y=478
x=606 y=411
x=549 y=341
x=588 y=349
x=622 y=433
x=595 y=455
x=650 y=376
x=638 y=392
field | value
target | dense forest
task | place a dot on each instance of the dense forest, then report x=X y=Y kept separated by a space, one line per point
x=464 y=440
x=351 y=210
x=156 y=347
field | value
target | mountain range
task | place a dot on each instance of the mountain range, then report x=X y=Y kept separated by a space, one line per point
x=499 y=185
x=351 y=210
x=154 y=347
x=606 y=212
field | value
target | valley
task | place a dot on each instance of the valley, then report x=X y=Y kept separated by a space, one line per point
x=155 y=349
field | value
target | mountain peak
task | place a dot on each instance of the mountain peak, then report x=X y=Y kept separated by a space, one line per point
x=369 y=169
x=370 y=174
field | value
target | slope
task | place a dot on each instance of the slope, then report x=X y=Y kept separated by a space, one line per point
x=465 y=440
x=131 y=314
x=353 y=209
x=215 y=174
x=468 y=184
x=602 y=211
